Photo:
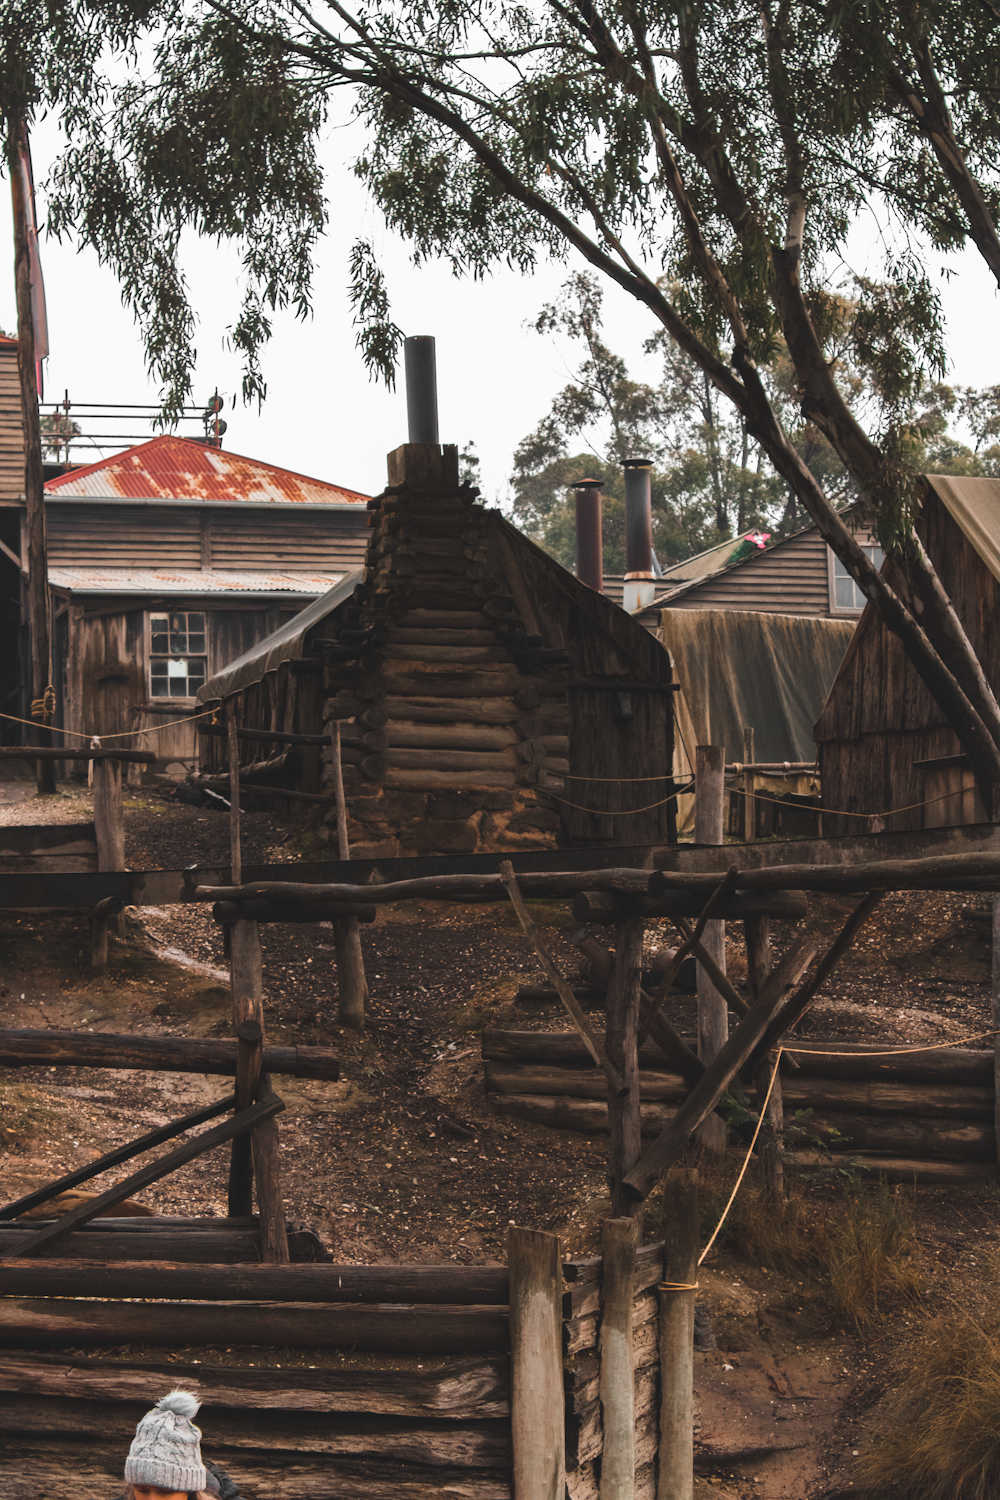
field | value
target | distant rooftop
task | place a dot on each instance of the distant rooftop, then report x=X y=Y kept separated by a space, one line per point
x=176 y=468
x=188 y=581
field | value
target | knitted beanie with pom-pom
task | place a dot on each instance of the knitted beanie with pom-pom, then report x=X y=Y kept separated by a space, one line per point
x=166 y=1449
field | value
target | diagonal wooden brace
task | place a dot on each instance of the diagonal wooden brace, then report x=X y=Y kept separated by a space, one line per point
x=591 y=1041
x=725 y=888
x=688 y=1064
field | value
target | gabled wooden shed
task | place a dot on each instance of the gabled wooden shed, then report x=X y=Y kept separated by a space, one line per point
x=883 y=742
x=487 y=698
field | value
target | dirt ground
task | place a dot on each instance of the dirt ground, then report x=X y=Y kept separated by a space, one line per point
x=404 y=1160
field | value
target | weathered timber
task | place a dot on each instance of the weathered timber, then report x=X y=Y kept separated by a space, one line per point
x=445 y=619
x=399 y=656
x=501 y=682
x=724 y=889
x=267 y=1180
x=468 y=636
x=258 y=789
x=485 y=887
x=228 y=912
x=57 y=1229
x=461 y=1390
x=111 y=1240
x=352 y=983
x=437 y=781
x=940 y=872
x=607 y=907
x=552 y=1048
x=720 y=1072
x=899 y=1136
x=570 y=1112
x=437 y=1329
x=246 y=985
x=100 y=921
x=54 y=752
x=621 y=1041
x=675 y=1480
x=115 y=1158
x=109 y=822
x=435 y=710
x=593 y=1044
x=906 y=1169
x=271 y=736
x=346 y=706
x=428 y=759
x=995 y=1015
x=38 y=1423
x=580 y=1334
x=537 y=1414
x=89 y=1049
x=767 y=1079
x=713 y=1013
x=450 y=1284
x=544 y=994
x=580 y=1083
x=660 y=1028
x=619 y=1242
x=451 y=736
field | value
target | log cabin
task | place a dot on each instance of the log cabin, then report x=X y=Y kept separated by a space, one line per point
x=487 y=698
x=165 y=562
x=883 y=742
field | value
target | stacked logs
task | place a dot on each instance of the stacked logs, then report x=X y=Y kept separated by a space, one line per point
x=433 y=663
x=929 y=1114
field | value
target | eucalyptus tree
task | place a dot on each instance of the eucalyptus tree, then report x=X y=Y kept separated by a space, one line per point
x=709 y=157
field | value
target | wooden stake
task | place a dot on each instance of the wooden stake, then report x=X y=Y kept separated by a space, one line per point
x=677 y=1299
x=109 y=818
x=749 y=801
x=34 y=478
x=713 y=1011
x=621 y=1040
x=537 y=1415
x=592 y=1043
x=352 y=986
x=247 y=986
x=758 y=939
x=619 y=1243
x=100 y=918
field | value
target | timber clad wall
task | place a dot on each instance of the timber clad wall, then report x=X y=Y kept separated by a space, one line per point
x=880 y=719
x=11 y=424
x=122 y=536
x=791 y=578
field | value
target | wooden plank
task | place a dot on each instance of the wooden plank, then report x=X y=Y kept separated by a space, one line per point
x=619 y=1242
x=676 y=1338
x=438 y=1329
x=58 y=1228
x=30 y=1048
x=56 y=752
x=537 y=1416
x=112 y=1240
x=459 y=1390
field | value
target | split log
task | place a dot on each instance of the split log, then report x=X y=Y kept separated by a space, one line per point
x=404 y=635
x=114 y=1158
x=556 y=721
x=604 y=908
x=228 y=912
x=450 y=737
x=555 y=1048
x=54 y=752
x=500 y=682
x=617 y=1392
x=446 y=619
x=435 y=781
x=107 y=1049
x=451 y=1284
x=434 y=710
x=589 y=1116
x=720 y=1072
x=400 y=758
x=537 y=1407
x=902 y=1168
x=940 y=872
x=958 y=1065
x=378 y=1327
x=398 y=657
x=461 y=1390
x=57 y=1229
x=114 y=1244
x=899 y=1136
x=580 y=1083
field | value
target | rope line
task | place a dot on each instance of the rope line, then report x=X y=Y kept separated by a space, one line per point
x=812 y=1052
x=123 y=734
x=839 y=812
x=603 y=812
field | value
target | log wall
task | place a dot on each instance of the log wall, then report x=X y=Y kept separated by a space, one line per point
x=931 y=1114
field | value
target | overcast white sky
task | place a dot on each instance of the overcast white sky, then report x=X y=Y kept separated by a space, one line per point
x=322 y=415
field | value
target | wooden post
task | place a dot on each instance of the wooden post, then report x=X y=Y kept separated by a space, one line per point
x=352 y=986
x=620 y=1240
x=109 y=819
x=621 y=1042
x=758 y=939
x=34 y=479
x=247 y=987
x=713 y=1014
x=537 y=1403
x=749 y=802
x=267 y=1175
x=996 y=1018
x=100 y=918
x=680 y=1270
x=235 y=850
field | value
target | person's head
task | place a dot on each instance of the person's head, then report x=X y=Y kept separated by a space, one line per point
x=164 y=1461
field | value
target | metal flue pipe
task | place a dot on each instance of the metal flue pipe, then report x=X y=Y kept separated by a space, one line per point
x=589 y=549
x=420 y=366
x=639 y=586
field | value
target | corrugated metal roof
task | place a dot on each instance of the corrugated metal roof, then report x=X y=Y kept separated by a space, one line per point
x=175 y=468
x=187 y=581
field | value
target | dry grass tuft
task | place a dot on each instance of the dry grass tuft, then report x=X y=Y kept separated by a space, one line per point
x=938 y=1434
x=868 y=1253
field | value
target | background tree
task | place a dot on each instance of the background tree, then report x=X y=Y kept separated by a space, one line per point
x=729 y=145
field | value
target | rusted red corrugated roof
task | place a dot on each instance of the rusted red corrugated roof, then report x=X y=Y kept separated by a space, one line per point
x=175 y=468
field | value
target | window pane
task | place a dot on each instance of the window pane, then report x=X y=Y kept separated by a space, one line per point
x=158 y=622
x=848 y=594
x=160 y=643
x=177 y=667
x=178 y=622
x=178 y=641
x=178 y=687
x=196 y=642
x=196 y=622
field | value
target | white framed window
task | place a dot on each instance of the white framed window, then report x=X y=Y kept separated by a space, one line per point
x=178 y=654
x=845 y=596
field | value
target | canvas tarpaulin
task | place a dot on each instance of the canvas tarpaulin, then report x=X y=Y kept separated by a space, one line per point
x=974 y=506
x=737 y=669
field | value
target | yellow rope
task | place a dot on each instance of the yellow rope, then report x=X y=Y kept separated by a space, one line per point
x=813 y=1052
x=602 y=812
